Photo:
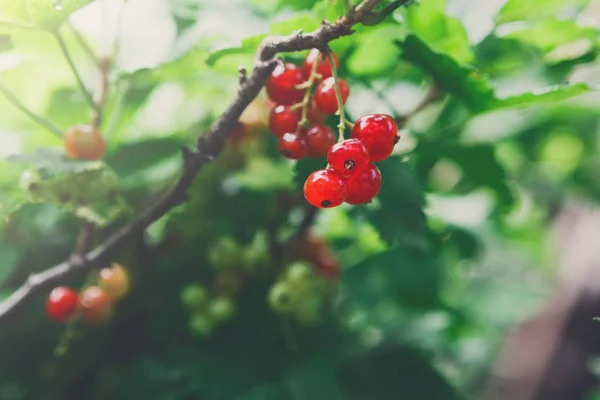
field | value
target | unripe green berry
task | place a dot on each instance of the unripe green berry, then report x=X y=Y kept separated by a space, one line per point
x=224 y=253
x=299 y=276
x=194 y=297
x=201 y=325
x=281 y=298
x=308 y=311
x=221 y=309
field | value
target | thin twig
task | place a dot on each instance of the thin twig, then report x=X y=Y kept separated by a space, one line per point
x=65 y=51
x=208 y=147
x=85 y=45
x=46 y=123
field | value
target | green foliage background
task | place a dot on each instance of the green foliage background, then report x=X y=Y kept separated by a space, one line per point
x=451 y=254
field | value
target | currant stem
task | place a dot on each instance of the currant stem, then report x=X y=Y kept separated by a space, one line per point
x=46 y=123
x=65 y=51
x=85 y=45
x=338 y=95
x=117 y=110
x=307 y=93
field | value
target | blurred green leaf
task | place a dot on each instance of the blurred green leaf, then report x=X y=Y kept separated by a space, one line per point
x=549 y=34
x=47 y=14
x=248 y=46
x=391 y=370
x=444 y=34
x=462 y=81
x=129 y=158
x=551 y=95
x=399 y=218
x=520 y=10
x=9 y=258
x=376 y=52
x=264 y=174
x=86 y=188
x=410 y=277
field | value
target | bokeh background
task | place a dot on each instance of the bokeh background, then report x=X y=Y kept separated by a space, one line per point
x=474 y=274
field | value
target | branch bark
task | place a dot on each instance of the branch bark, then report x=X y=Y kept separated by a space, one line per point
x=209 y=145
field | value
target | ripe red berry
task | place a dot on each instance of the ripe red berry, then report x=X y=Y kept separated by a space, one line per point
x=364 y=185
x=84 y=142
x=313 y=114
x=61 y=304
x=325 y=97
x=348 y=157
x=323 y=68
x=281 y=86
x=284 y=120
x=325 y=188
x=95 y=305
x=292 y=146
x=319 y=139
x=378 y=132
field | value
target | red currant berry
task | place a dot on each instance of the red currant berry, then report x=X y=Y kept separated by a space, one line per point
x=325 y=97
x=348 y=157
x=378 y=132
x=364 y=185
x=323 y=68
x=61 y=304
x=325 y=188
x=319 y=139
x=284 y=120
x=292 y=146
x=95 y=306
x=84 y=142
x=313 y=114
x=281 y=86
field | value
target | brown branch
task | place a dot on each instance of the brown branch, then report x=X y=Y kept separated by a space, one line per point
x=208 y=147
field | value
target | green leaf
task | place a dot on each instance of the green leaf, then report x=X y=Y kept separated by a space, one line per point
x=264 y=174
x=520 y=10
x=392 y=368
x=551 y=94
x=8 y=261
x=399 y=218
x=248 y=46
x=444 y=34
x=46 y=14
x=549 y=34
x=376 y=53
x=461 y=81
x=86 y=188
x=410 y=277
x=130 y=158
x=272 y=391
x=300 y=21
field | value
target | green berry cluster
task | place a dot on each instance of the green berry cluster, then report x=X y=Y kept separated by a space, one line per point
x=206 y=312
x=227 y=254
x=299 y=294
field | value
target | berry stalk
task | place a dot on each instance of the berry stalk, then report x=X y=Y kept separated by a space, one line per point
x=338 y=95
x=46 y=123
x=306 y=100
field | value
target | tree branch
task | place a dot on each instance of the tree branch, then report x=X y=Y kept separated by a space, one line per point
x=208 y=147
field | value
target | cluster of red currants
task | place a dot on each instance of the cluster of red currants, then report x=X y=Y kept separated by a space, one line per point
x=352 y=175
x=95 y=304
x=297 y=121
x=298 y=115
